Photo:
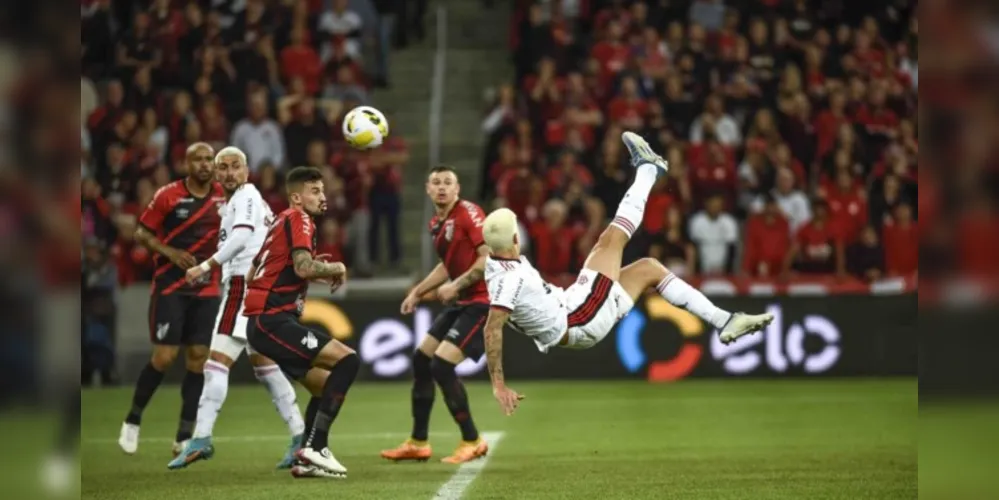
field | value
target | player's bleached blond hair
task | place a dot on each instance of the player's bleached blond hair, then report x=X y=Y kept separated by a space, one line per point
x=231 y=151
x=499 y=229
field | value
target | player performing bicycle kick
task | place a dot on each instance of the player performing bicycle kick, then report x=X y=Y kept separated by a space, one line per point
x=583 y=314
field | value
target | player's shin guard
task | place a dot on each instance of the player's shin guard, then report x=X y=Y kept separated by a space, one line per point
x=190 y=393
x=334 y=392
x=455 y=397
x=632 y=208
x=422 y=394
x=212 y=397
x=145 y=387
x=681 y=294
x=283 y=395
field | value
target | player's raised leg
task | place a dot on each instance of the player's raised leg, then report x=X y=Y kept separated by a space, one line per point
x=145 y=387
x=605 y=258
x=648 y=272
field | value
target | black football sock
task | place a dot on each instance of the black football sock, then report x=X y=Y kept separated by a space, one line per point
x=423 y=395
x=334 y=392
x=310 y=415
x=455 y=397
x=190 y=393
x=149 y=380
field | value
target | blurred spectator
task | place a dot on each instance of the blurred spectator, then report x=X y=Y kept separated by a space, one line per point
x=552 y=241
x=865 y=259
x=715 y=232
x=714 y=121
x=303 y=124
x=331 y=240
x=768 y=236
x=259 y=136
x=340 y=27
x=300 y=60
x=672 y=246
x=817 y=248
x=901 y=242
x=386 y=190
x=793 y=202
x=98 y=308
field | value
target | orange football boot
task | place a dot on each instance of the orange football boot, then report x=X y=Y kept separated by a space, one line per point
x=468 y=451
x=410 y=449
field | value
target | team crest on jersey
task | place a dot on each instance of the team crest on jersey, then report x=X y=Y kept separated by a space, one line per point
x=582 y=279
x=449 y=230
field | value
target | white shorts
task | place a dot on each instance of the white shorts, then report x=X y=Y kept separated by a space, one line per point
x=595 y=304
x=229 y=336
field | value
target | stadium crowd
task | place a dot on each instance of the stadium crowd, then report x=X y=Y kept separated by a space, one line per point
x=272 y=77
x=789 y=125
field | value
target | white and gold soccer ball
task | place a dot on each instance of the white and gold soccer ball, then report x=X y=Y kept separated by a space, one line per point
x=365 y=127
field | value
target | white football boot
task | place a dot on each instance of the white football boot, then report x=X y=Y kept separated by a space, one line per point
x=128 y=438
x=302 y=471
x=323 y=459
x=743 y=324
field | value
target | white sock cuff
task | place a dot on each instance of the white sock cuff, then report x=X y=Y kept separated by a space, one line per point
x=624 y=224
x=661 y=287
x=265 y=371
x=647 y=170
x=215 y=366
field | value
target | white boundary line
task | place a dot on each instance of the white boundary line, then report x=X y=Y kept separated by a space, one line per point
x=455 y=487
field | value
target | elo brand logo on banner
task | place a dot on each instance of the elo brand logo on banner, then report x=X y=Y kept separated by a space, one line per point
x=810 y=345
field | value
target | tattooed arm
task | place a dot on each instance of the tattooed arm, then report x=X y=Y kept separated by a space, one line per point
x=494 y=344
x=507 y=397
x=308 y=268
x=476 y=272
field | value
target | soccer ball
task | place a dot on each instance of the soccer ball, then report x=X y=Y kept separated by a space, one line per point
x=365 y=127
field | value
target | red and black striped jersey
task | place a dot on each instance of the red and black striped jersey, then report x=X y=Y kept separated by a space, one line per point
x=181 y=220
x=457 y=238
x=275 y=288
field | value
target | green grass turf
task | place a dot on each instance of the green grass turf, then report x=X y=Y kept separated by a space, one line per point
x=737 y=439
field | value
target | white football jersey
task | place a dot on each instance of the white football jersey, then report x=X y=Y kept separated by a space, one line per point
x=246 y=208
x=537 y=308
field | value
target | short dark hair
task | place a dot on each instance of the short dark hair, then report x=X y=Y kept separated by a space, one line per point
x=443 y=168
x=298 y=176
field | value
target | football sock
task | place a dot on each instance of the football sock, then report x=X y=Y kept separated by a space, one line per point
x=681 y=294
x=190 y=393
x=423 y=395
x=283 y=395
x=145 y=387
x=212 y=397
x=455 y=397
x=632 y=208
x=310 y=414
x=334 y=392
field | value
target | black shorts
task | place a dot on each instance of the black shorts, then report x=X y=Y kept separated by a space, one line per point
x=179 y=319
x=463 y=327
x=284 y=339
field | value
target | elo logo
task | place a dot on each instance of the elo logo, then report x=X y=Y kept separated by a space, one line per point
x=781 y=352
x=629 y=340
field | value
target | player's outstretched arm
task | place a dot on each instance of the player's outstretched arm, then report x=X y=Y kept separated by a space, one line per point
x=308 y=268
x=475 y=273
x=234 y=244
x=508 y=398
x=179 y=258
x=436 y=278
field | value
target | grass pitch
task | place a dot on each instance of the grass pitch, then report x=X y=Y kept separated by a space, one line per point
x=722 y=439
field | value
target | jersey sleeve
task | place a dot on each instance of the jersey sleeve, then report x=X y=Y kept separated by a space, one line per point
x=472 y=222
x=154 y=214
x=505 y=291
x=302 y=231
x=244 y=210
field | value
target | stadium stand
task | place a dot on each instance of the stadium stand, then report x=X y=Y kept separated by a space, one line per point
x=792 y=140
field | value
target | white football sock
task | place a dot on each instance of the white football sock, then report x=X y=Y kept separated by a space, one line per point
x=283 y=395
x=212 y=397
x=632 y=208
x=681 y=294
